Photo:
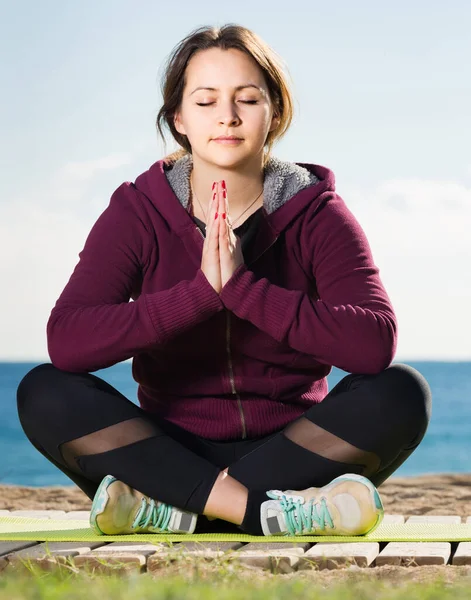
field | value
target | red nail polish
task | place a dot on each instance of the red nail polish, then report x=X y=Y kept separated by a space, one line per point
x=216 y=216
x=223 y=184
x=214 y=195
x=223 y=215
x=224 y=193
x=214 y=185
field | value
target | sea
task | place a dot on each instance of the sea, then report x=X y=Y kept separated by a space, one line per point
x=446 y=447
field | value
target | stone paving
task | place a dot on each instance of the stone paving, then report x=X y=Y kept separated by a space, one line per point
x=276 y=557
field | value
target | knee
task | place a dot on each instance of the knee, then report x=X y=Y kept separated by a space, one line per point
x=34 y=393
x=411 y=394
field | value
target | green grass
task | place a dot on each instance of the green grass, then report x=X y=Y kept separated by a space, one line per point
x=144 y=587
x=201 y=581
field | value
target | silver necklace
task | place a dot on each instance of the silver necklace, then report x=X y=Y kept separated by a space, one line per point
x=233 y=222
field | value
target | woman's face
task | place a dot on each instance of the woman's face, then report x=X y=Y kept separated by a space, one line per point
x=229 y=109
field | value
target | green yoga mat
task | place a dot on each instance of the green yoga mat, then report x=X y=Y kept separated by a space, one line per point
x=55 y=530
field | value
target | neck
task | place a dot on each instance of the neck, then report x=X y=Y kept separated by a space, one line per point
x=243 y=184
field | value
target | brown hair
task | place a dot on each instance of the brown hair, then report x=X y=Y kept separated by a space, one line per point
x=226 y=37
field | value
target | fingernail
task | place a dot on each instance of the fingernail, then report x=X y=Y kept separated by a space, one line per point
x=224 y=193
x=223 y=215
x=214 y=195
x=216 y=216
x=214 y=185
x=223 y=184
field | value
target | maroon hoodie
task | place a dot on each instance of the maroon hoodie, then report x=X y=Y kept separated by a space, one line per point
x=245 y=362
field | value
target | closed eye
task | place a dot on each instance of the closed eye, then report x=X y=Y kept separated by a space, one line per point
x=243 y=101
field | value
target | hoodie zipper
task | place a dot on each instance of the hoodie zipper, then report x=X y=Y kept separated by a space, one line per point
x=229 y=355
x=231 y=374
x=231 y=368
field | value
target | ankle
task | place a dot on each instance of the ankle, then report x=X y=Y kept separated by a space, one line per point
x=252 y=522
x=227 y=500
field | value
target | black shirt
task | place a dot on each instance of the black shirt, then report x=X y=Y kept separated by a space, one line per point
x=246 y=231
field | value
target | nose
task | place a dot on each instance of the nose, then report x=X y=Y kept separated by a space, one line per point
x=229 y=115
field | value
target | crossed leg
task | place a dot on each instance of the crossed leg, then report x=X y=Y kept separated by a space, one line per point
x=367 y=424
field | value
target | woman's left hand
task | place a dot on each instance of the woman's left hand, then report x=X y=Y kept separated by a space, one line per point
x=230 y=247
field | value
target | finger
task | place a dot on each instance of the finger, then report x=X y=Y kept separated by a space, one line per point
x=223 y=229
x=228 y=218
x=211 y=197
x=227 y=228
x=226 y=209
x=222 y=202
x=211 y=228
x=227 y=236
x=231 y=240
x=212 y=215
x=208 y=220
x=225 y=206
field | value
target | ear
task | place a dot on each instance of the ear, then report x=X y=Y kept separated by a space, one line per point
x=275 y=121
x=178 y=123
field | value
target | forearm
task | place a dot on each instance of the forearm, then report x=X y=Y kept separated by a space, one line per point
x=88 y=338
x=353 y=338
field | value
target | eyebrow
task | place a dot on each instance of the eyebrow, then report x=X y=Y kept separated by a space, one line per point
x=239 y=87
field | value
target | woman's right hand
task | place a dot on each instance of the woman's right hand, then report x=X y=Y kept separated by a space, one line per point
x=210 y=263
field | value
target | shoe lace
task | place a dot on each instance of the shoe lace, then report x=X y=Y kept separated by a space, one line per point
x=300 y=516
x=149 y=512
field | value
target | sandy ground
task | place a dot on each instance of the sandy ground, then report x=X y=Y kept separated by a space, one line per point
x=425 y=495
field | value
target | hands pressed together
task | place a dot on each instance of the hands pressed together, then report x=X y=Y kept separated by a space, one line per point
x=222 y=250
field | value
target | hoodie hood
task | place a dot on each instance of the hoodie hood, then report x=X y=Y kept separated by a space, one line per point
x=283 y=181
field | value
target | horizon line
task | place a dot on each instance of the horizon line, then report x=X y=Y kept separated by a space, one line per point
x=396 y=359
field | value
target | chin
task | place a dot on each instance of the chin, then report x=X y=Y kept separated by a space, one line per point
x=228 y=158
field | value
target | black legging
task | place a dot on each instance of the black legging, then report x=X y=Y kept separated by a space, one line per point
x=367 y=424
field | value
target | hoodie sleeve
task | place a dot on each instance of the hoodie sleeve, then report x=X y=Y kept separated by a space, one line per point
x=351 y=323
x=93 y=324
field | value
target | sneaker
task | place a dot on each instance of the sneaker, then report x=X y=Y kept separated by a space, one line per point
x=348 y=505
x=118 y=509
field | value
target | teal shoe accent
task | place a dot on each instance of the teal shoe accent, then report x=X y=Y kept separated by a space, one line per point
x=300 y=517
x=99 y=503
x=374 y=492
x=157 y=517
x=378 y=502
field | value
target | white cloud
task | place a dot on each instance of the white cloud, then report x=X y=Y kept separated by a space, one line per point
x=86 y=170
x=42 y=248
x=39 y=242
x=419 y=234
x=418 y=231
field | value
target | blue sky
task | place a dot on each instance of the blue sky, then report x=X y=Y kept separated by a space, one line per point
x=382 y=93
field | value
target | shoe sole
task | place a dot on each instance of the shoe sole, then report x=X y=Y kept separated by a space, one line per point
x=373 y=492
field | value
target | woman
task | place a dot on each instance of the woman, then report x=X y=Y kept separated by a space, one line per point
x=250 y=278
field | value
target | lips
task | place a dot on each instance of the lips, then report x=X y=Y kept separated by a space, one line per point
x=228 y=138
